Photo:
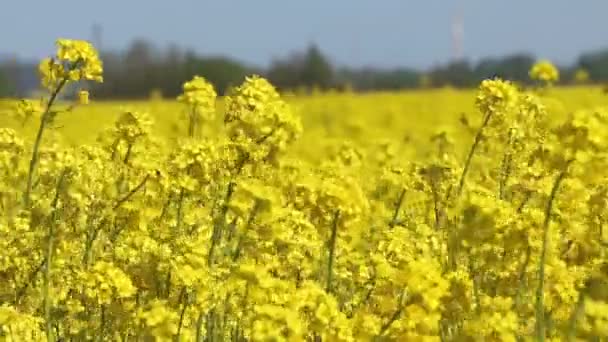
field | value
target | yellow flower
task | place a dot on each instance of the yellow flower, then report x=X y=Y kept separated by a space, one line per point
x=496 y=95
x=544 y=71
x=200 y=97
x=75 y=60
x=258 y=121
x=83 y=97
x=199 y=92
x=159 y=320
x=26 y=109
x=51 y=73
x=581 y=76
x=82 y=56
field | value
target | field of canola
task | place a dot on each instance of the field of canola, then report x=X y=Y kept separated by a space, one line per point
x=438 y=215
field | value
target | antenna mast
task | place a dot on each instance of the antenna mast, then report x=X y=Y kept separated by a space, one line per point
x=458 y=35
x=96 y=36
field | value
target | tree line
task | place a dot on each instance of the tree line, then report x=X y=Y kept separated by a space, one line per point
x=143 y=69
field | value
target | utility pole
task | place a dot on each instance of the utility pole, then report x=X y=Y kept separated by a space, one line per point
x=458 y=35
x=97 y=36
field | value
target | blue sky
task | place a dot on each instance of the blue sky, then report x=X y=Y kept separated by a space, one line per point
x=384 y=33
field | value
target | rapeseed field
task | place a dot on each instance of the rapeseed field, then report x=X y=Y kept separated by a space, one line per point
x=434 y=215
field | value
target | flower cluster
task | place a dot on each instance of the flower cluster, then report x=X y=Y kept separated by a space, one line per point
x=200 y=96
x=544 y=71
x=496 y=95
x=200 y=93
x=259 y=121
x=75 y=60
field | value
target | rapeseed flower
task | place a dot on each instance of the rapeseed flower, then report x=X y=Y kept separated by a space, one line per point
x=545 y=72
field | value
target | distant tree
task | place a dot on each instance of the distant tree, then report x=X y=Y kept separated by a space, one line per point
x=424 y=80
x=113 y=75
x=140 y=67
x=378 y=79
x=581 y=76
x=5 y=86
x=17 y=78
x=139 y=54
x=286 y=73
x=310 y=69
x=143 y=69
x=513 y=67
x=170 y=71
x=456 y=74
x=596 y=63
x=395 y=79
x=222 y=72
x=316 y=70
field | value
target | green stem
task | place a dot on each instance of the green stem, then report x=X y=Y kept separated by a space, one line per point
x=199 y=327
x=476 y=294
x=183 y=300
x=210 y=326
x=128 y=154
x=192 y=122
x=506 y=165
x=88 y=247
x=165 y=208
x=180 y=211
x=49 y=261
x=102 y=327
x=540 y=306
x=579 y=309
x=252 y=215
x=521 y=279
x=131 y=193
x=168 y=284
x=332 y=251
x=436 y=210
x=22 y=289
x=36 y=149
x=236 y=331
x=220 y=221
x=394 y=316
x=476 y=142
x=397 y=208
x=506 y=172
x=115 y=149
x=524 y=201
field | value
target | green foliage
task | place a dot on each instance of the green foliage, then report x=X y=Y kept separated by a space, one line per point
x=221 y=71
x=370 y=79
x=514 y=67
x=142 y=69
x=596 y=63
x=5 y=86
x=310 y=70
x=316 y=71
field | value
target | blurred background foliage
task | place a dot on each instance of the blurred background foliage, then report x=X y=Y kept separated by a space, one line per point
x=143 y=69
